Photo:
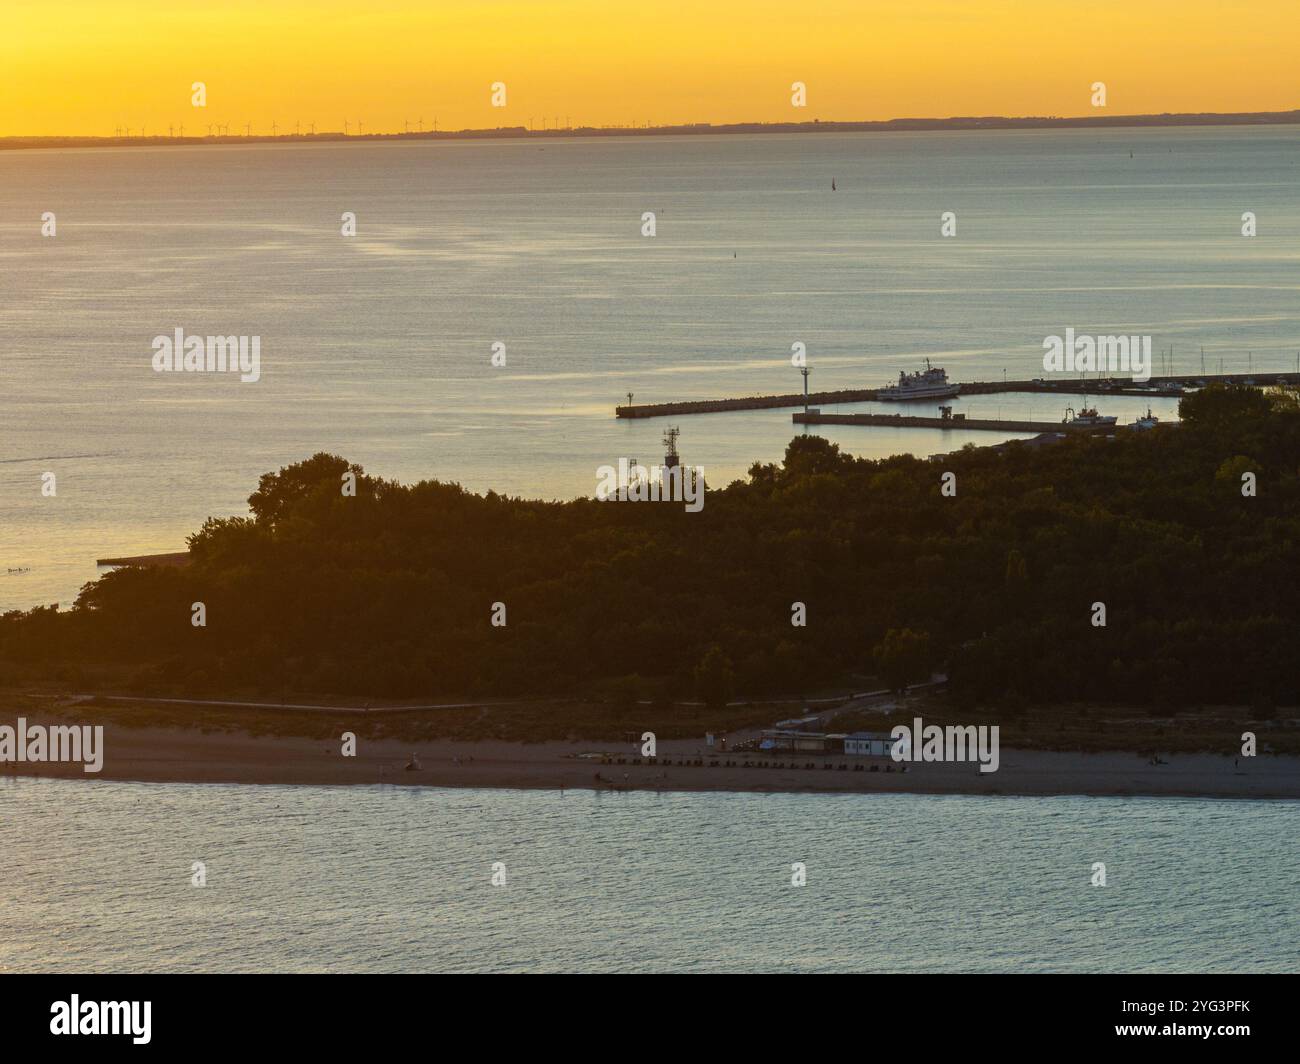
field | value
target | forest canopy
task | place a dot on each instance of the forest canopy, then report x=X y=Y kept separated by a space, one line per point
x=390 y=592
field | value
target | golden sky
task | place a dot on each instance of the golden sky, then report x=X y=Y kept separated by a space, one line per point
x=88 y=66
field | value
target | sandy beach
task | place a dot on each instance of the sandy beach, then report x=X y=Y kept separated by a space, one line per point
x=177 y=755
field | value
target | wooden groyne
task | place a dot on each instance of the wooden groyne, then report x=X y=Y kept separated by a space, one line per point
x=1170 y=387
x=909 y=422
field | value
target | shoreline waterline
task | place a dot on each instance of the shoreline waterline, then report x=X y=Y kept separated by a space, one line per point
x=173 y=755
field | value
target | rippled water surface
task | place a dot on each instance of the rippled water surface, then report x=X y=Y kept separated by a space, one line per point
x=378 y=347
x=95 y=876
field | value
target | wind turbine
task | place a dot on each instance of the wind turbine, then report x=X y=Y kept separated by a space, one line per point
x=358 y=127
x=421 y=123
x=182 y=129
x=297 y=127
x=345 y=127
x=274 y=127
x=248 y=129
x=313 y=129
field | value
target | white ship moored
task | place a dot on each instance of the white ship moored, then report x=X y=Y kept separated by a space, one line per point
x=929 y=383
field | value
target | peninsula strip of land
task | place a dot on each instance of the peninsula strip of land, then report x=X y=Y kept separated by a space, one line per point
x=894 y=125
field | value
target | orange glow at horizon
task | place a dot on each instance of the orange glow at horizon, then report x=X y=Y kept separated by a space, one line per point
x=86 y=67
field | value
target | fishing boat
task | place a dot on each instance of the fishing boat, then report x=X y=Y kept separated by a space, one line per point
x=1087 y=417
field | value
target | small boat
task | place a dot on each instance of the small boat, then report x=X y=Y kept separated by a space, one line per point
x=1150 y=421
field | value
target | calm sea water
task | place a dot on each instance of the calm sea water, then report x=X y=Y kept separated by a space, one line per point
x=378 y=347
x=96 y=877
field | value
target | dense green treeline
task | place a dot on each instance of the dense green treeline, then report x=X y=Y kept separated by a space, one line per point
x=390 y=592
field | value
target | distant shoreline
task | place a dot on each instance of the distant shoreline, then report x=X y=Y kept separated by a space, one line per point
x=893 y=125
x=174 y=755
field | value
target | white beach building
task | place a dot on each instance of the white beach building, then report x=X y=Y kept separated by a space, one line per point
x=868 y=744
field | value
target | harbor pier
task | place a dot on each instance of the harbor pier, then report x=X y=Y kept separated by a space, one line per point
x=1169 y=387
x=908 y=421
x=753 y=402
